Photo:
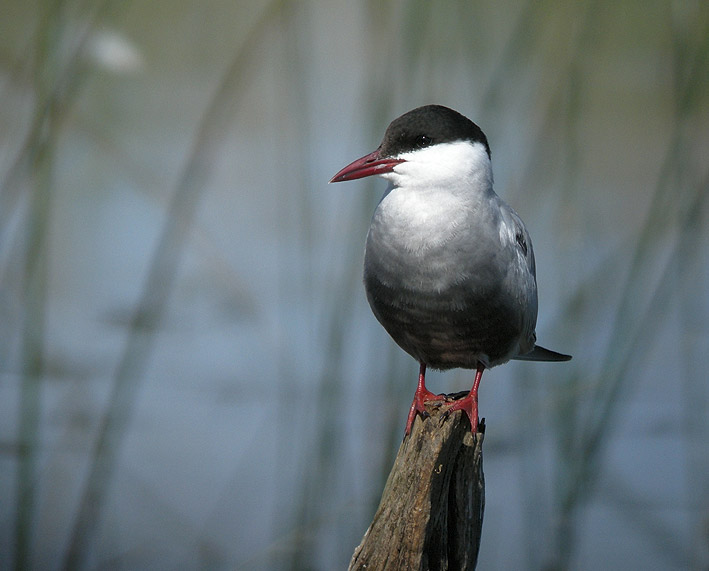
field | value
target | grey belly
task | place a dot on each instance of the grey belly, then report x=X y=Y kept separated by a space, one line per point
x=458 y=326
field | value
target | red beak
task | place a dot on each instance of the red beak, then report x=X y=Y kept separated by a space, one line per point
x=366 y=166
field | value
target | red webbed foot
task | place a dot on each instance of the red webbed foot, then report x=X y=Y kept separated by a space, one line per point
x=469 y=403
x=421 y=396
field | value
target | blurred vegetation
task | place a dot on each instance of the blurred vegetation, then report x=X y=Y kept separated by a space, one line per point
x=189 y=374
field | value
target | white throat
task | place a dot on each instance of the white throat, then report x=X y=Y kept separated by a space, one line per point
x=432 y=194
x=461 y=168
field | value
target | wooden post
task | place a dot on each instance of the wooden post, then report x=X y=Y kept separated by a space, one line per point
x=431 y=512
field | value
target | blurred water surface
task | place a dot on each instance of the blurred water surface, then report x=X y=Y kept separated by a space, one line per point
x=190 y=376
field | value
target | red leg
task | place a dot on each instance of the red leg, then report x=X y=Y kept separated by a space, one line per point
x=421 y=395
x=469 y=403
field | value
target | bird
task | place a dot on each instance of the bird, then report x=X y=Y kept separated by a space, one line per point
x=449 y=267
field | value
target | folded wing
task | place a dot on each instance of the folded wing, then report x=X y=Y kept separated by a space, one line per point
x=542 y=354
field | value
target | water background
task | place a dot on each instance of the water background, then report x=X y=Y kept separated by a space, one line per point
x=190 y=376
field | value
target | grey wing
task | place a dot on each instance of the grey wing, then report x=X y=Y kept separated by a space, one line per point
x=527 y=276
x=524 y=243
x=532 y=352
x=542 y=354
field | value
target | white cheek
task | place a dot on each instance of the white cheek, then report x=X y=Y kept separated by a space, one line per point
x=448 y=164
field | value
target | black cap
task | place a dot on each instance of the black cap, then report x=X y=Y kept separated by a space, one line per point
x=426 y=126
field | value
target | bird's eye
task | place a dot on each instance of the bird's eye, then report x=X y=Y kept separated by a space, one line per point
x=423 y=141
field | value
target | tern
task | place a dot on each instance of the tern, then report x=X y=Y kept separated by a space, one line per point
x=449 y=267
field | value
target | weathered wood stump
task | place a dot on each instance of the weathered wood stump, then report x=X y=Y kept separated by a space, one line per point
x=431 y=512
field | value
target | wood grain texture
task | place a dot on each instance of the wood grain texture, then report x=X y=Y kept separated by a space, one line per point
x=431 y=512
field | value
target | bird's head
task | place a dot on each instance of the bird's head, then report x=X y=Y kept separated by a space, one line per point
x=426 y=147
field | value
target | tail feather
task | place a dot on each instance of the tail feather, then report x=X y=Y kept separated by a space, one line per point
x=542 y=354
